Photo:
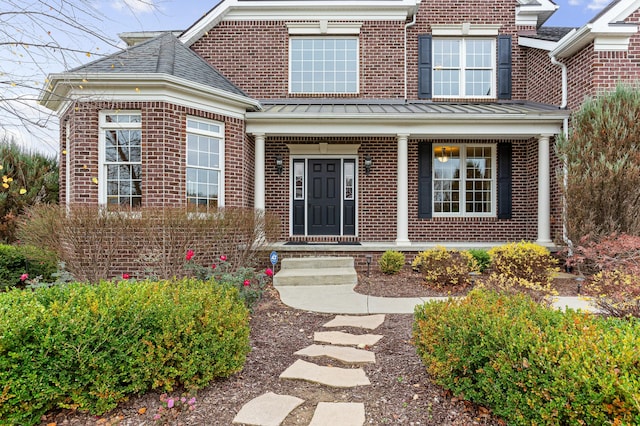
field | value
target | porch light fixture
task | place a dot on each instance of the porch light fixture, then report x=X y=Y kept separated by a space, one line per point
x=443 y=158
x=279 y=164
x=368 y=258
x=367 y=164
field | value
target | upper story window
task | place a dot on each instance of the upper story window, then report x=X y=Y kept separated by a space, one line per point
x=205 y=157
x=328 y=65
x=464 y=67
x=120 y=158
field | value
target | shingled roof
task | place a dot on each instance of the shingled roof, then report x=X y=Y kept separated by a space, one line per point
x=164 y=54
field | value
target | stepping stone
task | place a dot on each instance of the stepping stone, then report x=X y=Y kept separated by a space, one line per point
x=341 y=353
x=269 y=409
x=341 y=338
x=338 y=414
x=368 y=321
x=330 y=376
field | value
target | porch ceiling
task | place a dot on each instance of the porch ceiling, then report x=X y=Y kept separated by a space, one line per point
x=418 y=119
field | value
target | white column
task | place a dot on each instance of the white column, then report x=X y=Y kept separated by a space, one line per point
x=544 y=192
x=258 y=186
x=402 y=203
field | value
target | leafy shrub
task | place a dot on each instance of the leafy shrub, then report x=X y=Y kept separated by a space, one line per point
x=524 y=260
x=601 y=159
x=391 y=262
x=445 y=267
x=482 y=259
x=22 y=259
x=249 y=282
x=530 y=364
x=616 y=293
x=88 y=347
x=95 y=245
x=27 y=179
x=613 y=252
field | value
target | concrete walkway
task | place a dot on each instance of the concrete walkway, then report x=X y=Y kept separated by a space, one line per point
x=342 y=299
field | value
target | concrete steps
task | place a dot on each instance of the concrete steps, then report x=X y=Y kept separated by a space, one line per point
x=316 y=271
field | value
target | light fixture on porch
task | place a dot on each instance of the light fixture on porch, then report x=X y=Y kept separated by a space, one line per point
x=279 y=164
x=367 y=164
x=443 y=157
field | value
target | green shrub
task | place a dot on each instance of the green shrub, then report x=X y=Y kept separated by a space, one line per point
x=23 y=259
x=524 y=261
x=89 y=347
x=530 y=364
x=482 y=258
x=445 y=267
x=391 y=262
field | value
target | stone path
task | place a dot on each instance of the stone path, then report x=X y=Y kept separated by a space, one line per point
x=271 y=409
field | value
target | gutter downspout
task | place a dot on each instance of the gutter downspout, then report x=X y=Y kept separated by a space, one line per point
x=565 y=132
x=407 y=26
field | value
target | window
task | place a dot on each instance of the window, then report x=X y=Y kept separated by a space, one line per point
x=323 y=65
x=464 y=182
x=464 y=67
x=120 y=173
x=204 y=164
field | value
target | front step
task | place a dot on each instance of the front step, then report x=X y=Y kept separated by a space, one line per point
x=316 y=271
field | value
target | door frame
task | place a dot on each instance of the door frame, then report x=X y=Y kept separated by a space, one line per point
x=291 y=189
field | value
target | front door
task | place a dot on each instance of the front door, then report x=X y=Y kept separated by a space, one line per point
x=324 y=197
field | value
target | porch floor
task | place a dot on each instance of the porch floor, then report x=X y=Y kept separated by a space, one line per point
x=382 y=246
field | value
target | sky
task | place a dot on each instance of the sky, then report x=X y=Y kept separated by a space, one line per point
x=117 y=16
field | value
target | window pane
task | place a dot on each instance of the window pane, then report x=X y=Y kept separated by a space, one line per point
x=324 y=65
x=203 y=165
x=478 y=82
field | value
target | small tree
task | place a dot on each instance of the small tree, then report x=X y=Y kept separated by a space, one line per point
x=27 y=179
x=601 y=177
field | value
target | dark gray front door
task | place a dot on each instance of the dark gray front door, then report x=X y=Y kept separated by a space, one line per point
x=324 y=197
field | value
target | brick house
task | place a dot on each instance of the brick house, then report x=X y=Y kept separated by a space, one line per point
x=350 y=120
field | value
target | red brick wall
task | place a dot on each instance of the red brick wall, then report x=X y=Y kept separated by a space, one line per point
x=258 y=60
x=163 y=153
x=544 y=80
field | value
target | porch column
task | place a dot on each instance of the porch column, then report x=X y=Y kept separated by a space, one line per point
x=544 y=193
x=402 y=203
x=258 y=186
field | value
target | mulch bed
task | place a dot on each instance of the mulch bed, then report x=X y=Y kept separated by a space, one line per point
x=401 y=392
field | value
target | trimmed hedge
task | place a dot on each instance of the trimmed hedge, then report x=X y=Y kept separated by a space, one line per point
x=88 y=347
x=530 y=364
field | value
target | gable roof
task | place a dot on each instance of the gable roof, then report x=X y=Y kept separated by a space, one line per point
x=607 y=30
x=164 y=54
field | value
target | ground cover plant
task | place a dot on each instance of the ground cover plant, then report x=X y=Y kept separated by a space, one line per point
x=530 y=364
x=88 y=347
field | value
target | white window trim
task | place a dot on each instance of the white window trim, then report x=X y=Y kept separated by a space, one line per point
x=463 y=180
x=102 y=167
x=324 y=27
x=465 y=29
x=463 y=68
x=345 y=37
x=221 y=167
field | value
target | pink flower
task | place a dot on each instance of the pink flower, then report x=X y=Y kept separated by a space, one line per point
x=189 y=255
x=214 y=266
x=170 y=403
x=223 y=258
x=247 y=283
x=126 y=276
x=157 y=417
x=268 y=272
x=192 y=401
x=24 y=277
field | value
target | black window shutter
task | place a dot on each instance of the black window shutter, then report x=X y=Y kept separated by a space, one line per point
x=424 y=180
x=504 y=67
x=424 y=66
x=504 y=181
